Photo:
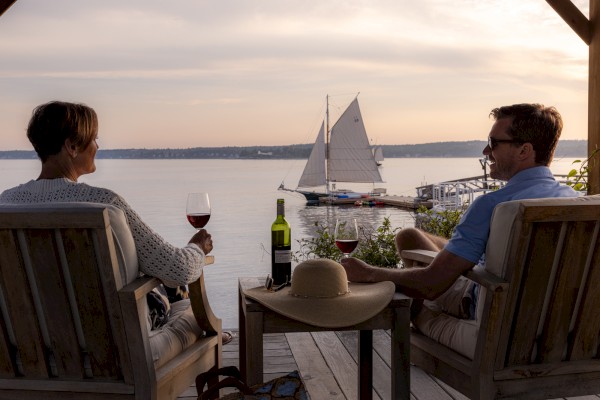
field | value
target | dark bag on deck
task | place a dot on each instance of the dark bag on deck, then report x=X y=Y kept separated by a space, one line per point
x=289 y=386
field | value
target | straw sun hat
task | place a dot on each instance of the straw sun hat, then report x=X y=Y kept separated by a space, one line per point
x=320 y=295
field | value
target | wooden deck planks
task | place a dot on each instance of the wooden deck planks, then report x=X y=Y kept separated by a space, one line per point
x=319 y=379
x=327 y=363
x=381 y=371
x=339 y=361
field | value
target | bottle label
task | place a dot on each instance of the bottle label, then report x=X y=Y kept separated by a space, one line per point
x=283 y=256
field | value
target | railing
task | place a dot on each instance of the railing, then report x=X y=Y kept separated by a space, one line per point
x=459 y=194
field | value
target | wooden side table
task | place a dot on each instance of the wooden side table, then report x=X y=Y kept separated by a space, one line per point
x=256 y=319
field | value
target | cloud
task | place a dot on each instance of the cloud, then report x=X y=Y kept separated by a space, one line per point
x=250 y=66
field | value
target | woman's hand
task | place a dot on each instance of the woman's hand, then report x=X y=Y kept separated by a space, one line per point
x=203 y=240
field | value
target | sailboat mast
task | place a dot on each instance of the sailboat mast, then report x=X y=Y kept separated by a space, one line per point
x=327 y=146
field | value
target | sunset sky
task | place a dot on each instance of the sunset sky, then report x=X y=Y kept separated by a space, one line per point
x=197 y=73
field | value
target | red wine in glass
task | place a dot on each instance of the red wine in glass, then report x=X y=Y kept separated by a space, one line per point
x=198 y=221
x=198 y=209
x=346 y=246
x=346 y=235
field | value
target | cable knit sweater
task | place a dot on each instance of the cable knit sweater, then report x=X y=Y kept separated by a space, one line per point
x=156 y=257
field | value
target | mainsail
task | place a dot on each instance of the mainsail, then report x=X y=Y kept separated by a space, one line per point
x=314 y=171
x=350 y=155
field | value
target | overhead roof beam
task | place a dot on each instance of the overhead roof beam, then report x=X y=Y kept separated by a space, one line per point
x=4 y=4
x=574 y=18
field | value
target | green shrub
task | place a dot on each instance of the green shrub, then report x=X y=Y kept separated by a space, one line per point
x=375 y=246
x=320 y=246
x=578 y=178
x=439 y=223
x=378 y=247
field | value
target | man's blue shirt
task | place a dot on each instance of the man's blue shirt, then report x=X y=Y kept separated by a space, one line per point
x=471 y=235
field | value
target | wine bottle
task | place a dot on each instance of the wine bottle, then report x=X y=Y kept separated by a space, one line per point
x=281 y=249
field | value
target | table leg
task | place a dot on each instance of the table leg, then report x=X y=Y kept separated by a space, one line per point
x=401 y=355
x=242 y=334
x=253 y=348
x=365 y=365
x=251 y=341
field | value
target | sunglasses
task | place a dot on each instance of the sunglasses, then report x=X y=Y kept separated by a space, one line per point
x=494 y=142
x=269 y=283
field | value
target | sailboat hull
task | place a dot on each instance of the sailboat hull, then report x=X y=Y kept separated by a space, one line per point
x=311 y=196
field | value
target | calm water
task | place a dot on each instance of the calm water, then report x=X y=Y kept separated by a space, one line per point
x=243 y=194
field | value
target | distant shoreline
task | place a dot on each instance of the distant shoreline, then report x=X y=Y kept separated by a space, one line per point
x=473 y=148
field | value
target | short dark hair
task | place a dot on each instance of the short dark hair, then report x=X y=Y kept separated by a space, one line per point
x=54 y=122
x=533 y=123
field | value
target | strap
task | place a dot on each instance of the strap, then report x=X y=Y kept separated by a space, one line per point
x=233 y=379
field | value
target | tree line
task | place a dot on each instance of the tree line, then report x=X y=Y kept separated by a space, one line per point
x=473 y=148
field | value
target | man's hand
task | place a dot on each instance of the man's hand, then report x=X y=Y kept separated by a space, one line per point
x=357 y=270
x=423 y=283
x=203 y=239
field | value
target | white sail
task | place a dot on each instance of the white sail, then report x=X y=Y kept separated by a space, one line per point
x=378 y=154
x=350 y=155
x=314 y=171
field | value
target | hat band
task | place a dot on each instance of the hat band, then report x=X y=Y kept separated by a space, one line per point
x=320 y=297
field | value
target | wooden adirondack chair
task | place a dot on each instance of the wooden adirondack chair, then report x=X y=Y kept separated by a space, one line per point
x=538 y=314
x=74 y=313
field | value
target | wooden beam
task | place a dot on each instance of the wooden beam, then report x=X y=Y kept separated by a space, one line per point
x=594 y=100
x=574 y=18
x=583 y=27
x=5 y=4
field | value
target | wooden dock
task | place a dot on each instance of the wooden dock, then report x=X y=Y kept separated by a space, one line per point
x=405 y=202
x=327 y=362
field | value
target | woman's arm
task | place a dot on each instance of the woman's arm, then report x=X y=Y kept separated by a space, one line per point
x=157 y=257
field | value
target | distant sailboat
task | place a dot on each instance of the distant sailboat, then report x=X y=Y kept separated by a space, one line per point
x=378 y=155
x=342 y=154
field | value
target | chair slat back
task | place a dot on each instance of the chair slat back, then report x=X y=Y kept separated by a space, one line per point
x=553 y=269
x=60 y=314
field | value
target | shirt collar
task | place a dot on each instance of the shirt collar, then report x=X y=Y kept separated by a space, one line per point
x=529 y=174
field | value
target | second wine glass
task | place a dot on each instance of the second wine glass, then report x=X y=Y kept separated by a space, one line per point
x=346 y=235
x=198 y=209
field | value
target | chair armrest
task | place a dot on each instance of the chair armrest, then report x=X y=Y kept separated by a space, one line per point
x=206 y=319
x=476 y=274
x=419 y=257
x=144 y=284
x=204 y=315
x=140 y=287
x=486 y=279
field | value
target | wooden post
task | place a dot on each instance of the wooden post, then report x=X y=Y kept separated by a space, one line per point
x=594 y=99
x=583 y=27
x=365 y=364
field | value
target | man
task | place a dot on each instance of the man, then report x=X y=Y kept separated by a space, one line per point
x=520 y=148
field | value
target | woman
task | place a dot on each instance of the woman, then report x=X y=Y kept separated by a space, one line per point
x=64 y=136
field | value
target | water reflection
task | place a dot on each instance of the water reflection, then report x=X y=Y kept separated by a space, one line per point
x=304 y=219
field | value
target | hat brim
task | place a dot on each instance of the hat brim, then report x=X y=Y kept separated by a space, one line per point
x=364 y=301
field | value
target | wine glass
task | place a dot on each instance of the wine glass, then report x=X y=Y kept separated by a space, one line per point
x=198 y=209
x=346 y=235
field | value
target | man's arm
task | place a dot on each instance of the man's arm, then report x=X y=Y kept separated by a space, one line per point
x=426 y=282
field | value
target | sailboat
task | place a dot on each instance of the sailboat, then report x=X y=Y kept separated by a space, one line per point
x=378 y=155
x=342 y=154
